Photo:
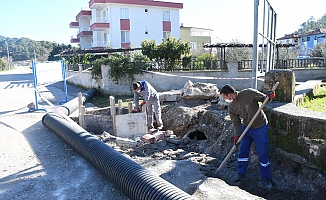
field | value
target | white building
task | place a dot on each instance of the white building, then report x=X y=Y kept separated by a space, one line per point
x=125 y=23
x=292 y=39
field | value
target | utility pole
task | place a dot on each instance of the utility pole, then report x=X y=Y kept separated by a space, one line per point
x=8 y=61
x=34 y=54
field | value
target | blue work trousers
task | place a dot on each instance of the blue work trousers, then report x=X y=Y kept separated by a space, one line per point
x=260 y=137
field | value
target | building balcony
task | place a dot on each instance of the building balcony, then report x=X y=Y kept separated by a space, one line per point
x=85 y=34
x=96 y=4
x=74 y=25
x=84 y=14
x=74 y=40
x=99 y=26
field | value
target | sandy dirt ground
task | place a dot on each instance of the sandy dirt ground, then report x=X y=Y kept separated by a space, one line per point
x=37 y=164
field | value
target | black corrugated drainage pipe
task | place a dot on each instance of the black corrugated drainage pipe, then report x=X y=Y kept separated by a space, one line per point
x=132 y=179
x=72 y=105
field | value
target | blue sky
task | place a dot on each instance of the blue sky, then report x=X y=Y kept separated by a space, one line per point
x=230 y=19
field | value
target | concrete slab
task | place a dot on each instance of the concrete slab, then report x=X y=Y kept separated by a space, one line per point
x=131 y=125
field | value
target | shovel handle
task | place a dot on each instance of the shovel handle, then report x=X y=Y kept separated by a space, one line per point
x=245 y=131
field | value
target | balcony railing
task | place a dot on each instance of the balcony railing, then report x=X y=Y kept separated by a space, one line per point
x=100 y=20
x=83 y=29
x=101 y=44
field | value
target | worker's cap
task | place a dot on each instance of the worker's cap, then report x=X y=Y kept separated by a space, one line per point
x=135 y=85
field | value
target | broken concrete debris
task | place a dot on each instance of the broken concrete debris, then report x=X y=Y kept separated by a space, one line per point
x=155 y=135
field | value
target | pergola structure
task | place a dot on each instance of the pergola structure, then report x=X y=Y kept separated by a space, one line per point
x=223 y=46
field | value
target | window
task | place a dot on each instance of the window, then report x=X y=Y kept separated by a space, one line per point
x=303 y=40
x=124 y=13
x=308 y=39
x=125 y=36
x=166 y=34
x=146 y=32
x=193 y=45
x=166 y=16
x=146 y=10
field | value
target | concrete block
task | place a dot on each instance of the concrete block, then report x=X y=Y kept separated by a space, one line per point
x=159 y=135
x=131 y=125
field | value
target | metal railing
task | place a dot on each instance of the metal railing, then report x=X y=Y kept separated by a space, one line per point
x=247 y=64
x=218 y=65
x=101 y=43
x=300 y=63
x=100 y=20
x=81 y=29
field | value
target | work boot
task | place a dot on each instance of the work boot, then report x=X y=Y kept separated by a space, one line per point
x=266 y=184
x=239 y=177
x=160 y=127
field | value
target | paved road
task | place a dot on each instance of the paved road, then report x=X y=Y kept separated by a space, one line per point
x=34 y=162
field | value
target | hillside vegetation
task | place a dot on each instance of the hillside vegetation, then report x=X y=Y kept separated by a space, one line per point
x=27 y=49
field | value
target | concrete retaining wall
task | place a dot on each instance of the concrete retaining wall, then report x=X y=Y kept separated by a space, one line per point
x=165 y=81
x=298 y=131
x=175 y=80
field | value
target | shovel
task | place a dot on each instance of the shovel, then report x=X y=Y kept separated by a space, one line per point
x=211 y=174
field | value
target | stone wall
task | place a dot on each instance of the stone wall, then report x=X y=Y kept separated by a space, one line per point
x=291 y=128
x=299 y=131
x=286 y=89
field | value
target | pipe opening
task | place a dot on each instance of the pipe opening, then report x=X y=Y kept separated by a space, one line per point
x=197 y=135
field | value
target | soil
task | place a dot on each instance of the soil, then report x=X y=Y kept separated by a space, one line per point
x=211 y=138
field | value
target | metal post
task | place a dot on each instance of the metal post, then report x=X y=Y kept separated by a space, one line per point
x=255 y=46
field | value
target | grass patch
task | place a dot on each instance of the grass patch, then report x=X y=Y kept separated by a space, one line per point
x=316 y=100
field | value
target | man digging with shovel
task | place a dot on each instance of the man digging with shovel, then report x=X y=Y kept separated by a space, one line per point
x=254 y=128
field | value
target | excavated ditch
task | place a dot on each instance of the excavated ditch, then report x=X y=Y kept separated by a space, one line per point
x=211 y=138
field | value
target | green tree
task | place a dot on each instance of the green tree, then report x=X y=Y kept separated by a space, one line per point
x=27 y=49
x=2 y=65
x=238 y=53
x=56 y=50
x=312 y=24
x=319 y=50
x=122 y=68
x=168 y=52
x=206 y=61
